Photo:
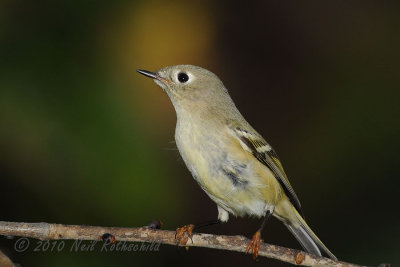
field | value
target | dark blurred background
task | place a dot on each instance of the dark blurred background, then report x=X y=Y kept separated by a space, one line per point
x=84 y=139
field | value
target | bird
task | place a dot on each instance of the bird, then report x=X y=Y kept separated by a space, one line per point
x=230 y=160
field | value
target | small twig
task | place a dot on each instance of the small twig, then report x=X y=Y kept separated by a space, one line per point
x=47 y=231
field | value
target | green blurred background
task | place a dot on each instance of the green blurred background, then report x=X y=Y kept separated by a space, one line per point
x=84 y=139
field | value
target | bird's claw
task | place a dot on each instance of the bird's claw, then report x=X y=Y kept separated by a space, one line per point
x=183 y=234
x=254 y=244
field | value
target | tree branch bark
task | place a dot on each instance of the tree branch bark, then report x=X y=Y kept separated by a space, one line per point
x=47 y=231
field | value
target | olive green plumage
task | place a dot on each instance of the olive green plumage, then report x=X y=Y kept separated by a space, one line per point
x=231 y=162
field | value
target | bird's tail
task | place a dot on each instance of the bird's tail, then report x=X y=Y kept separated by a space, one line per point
x=309 y=241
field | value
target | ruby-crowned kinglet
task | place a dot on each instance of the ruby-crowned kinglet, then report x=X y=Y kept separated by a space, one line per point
x=231 y=162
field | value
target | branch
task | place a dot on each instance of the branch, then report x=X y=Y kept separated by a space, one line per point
x=47 y=231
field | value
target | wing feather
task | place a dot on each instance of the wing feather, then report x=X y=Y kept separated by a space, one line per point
x=253 y=143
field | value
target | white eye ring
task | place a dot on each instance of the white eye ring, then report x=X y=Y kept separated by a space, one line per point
x=182 y=77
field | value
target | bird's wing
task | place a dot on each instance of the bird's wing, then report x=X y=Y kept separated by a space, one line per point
x=253 y=143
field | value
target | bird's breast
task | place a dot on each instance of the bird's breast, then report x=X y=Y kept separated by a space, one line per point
x=223 y=170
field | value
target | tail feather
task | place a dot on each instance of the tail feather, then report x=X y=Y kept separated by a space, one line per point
x=305 y=240
x=309 y=241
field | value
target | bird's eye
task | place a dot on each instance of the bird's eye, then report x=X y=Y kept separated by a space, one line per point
x=183 y=77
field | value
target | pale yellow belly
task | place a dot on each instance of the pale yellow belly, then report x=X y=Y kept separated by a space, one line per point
x=250 y=191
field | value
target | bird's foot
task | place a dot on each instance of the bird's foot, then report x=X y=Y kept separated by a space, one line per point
x=183 y=234
x=254 y=244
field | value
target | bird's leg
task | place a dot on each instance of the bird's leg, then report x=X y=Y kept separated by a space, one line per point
x=254 y=244
x=183 y=234
x=197 y=226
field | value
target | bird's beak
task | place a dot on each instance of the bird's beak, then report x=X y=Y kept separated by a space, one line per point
x=150 y=74
x=153 y=75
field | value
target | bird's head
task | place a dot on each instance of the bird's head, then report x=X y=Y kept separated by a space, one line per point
x=189 y=85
